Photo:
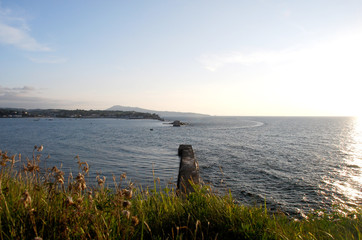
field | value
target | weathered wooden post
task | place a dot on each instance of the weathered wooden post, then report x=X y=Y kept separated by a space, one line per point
x=189 y=169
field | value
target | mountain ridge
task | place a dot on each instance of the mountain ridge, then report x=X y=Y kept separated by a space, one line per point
x=164 y=114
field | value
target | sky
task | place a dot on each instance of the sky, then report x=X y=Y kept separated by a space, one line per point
x=229 y=58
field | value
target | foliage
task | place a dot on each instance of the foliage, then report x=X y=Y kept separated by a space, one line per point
x=38 y=203
x=61 y=113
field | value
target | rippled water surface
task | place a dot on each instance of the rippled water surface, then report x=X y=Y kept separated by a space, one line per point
x=294 y=164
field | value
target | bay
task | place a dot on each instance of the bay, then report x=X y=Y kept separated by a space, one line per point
x=295 y=164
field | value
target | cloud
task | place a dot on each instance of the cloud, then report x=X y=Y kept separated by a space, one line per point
x=5 y=91
x=334 y=52
x=29 y=97
x=12 y=101
x=20 y=97
x=15 y=31
x=214 y=62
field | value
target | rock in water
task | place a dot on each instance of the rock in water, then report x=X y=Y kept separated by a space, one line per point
x=189 y=169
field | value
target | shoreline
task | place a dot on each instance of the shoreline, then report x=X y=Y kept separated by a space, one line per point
x=50 y=205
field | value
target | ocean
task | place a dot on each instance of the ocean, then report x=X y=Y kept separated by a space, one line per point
x=292 y=164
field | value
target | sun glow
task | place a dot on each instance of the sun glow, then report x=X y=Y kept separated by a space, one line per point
x=357 y=148
x=354 y=162
x=349 y=177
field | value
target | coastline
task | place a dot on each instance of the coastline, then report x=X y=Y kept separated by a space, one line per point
x=62 y=207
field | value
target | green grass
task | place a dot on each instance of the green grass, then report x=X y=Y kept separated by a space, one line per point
x=49 y=205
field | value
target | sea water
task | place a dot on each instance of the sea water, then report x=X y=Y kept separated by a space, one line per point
x=295 y=164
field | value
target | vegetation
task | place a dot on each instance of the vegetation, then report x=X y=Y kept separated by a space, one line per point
x=38 y=203
x=61 y=113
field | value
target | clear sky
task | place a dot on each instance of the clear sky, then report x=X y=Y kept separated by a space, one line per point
x=208 y=56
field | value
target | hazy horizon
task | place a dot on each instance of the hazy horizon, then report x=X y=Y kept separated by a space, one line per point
x=182 y=112
x=230 y=58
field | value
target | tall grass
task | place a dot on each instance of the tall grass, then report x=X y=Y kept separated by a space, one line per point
x=37 y=203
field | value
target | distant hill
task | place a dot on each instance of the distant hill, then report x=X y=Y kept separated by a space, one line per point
x=163 y=114
x=62 y=113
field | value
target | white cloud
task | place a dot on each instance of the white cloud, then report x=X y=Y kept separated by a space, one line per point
x=319 y=78
x=6 y=91
x=14 y=31
x=342 y=50
x=214 y=62
x=31 y=97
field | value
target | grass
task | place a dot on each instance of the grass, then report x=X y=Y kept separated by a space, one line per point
x=40 y=203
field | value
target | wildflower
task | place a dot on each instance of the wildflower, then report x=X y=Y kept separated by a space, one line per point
x=13 y=160
x=79 y=200
x=26 y=199
x=4 y=159
x=80 y=164
x=31 y=167
x=126 y=204
x=70 y=181
x=127 y=193
x=40 y=148
x=86 y=168
x=135 y=220
x=69 y=201
x=59 y=176
x=61 y=181
x=126 y=213
x=90 y=197
x=3 y=162
x=101 y=181
x=80 y=182
x=124 y=175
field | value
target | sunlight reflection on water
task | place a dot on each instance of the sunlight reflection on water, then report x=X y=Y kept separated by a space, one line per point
x=350 y=175
x=295 y=164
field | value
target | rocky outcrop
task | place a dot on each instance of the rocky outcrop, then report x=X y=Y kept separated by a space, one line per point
x=189 y=169
x=178 y=123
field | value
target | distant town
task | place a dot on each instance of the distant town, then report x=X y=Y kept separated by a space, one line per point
x=61 y=113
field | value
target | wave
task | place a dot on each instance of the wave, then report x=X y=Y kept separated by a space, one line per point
x=254 y=124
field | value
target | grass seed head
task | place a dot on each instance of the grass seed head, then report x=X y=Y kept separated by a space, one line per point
x=26 y=199
x=126 y=213
x=126 y=204
x=90 y=196
x=80 y=177
x=4 y=159
x=79 y=200
x=135 y=221
x=40 y=148
x=101 y=181
x=69 y=201
x=31 y=167
x=86 y=169
x=80 y=182
x=127 y=193
x=59 y=176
